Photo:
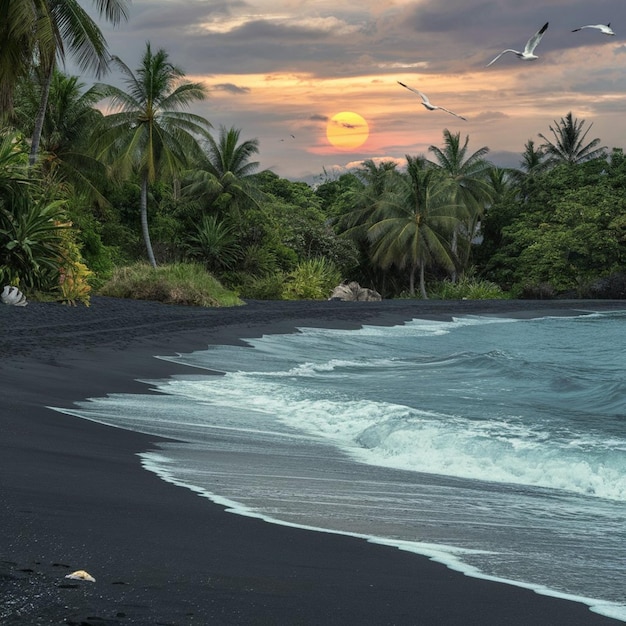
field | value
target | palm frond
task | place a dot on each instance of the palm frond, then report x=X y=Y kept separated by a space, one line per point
x=81 y=34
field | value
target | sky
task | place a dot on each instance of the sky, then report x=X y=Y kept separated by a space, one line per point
x=281 y=70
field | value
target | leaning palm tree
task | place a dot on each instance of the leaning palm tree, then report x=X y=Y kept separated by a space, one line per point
x=569 y=144
x=469 y=175
x=45 y=30
x=413 y=225
x=69 y=118
x=224 y=177
x=147 y=134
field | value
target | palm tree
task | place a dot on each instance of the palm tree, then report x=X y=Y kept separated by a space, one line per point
x=69 y=118
x=499 y=213
x=374 y=179
x=532 y=164
x=147 y=134
x=569 y=143
x=469 y=175
x=532 y=158
x=414 y=222
x=22 y=25
x=43 y=30
x=223 y=178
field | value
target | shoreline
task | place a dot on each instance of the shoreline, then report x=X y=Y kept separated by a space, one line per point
x=75 y=495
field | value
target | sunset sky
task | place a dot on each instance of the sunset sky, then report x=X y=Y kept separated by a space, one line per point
x=280 y=70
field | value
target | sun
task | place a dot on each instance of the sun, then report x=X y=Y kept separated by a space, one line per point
x=347 y=130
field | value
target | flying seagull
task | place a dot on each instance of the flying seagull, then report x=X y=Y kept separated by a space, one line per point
x=531 y=44
x=428 y=104
x=605 y=29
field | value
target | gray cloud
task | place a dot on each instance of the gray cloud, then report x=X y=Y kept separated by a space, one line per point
x=489 y=116
x=168 y=16
x=436 y=17
x=230 y=88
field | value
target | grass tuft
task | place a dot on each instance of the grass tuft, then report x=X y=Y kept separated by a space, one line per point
x=468 y=288
x=178 y=283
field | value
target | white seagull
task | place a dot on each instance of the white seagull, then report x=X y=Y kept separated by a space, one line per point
x=428 y=104
x=605 y=29
x=531 y=44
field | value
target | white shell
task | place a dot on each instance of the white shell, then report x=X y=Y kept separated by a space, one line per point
x=12 y=295
x=81 y=574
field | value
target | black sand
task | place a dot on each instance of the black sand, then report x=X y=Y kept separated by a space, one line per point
x=74 y=496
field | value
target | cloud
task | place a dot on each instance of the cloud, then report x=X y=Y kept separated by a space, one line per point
x=403 y=65
x=489 y=116
x=433 y=16
x=347 y=125
x=230 y=88
x=171 y=16
x=379 y=160
x=283 y=27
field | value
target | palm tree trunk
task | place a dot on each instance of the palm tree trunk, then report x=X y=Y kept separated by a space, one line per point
x=472 y=231
x=412 y=280
x=144 y=218
x=454 y=248
x=423 y=283
x=41 y=114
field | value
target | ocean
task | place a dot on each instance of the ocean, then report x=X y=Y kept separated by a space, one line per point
x=494 y=445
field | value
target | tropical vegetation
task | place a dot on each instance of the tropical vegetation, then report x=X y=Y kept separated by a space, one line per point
x=128 y=193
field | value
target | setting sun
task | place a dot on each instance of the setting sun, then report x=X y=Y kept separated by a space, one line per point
x=347 y=130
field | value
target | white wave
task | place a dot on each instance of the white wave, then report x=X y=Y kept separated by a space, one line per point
x=270 y=350
x=502 y=453
x=401 y=437
x=450 y=556
x=333 y=365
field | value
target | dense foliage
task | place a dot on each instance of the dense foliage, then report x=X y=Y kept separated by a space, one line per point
x=150 y=180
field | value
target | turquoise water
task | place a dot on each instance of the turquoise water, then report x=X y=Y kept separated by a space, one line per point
x=495 y=445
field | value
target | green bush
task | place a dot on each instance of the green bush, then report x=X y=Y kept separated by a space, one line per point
x=264 y=288
x=178 y=283
x=313 y=279
x=31 y=242
x=215 y=244
x=467 y=288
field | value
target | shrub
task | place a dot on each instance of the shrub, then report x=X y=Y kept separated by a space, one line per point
x=74 y=276
x=468 y=288
x=178 y=283
x=313 y=279
x=215 y=243
x=31 y=243
x=264 y=288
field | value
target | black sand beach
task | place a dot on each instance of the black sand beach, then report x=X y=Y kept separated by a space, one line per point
x=73 y=494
